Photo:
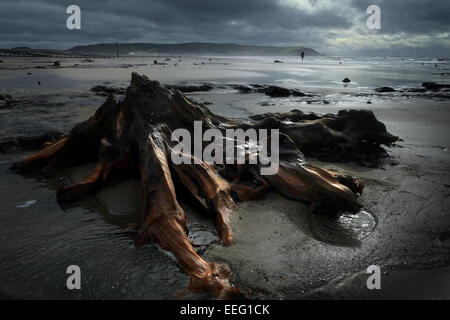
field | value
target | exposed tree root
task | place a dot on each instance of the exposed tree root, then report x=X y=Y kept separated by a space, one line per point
x=133 y=136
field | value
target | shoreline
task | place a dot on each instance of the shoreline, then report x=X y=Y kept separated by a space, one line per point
x=408 y=197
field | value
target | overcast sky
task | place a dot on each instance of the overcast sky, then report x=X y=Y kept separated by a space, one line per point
x=408 y=27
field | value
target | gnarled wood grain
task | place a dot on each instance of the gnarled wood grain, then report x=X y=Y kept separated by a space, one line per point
x=134 y=136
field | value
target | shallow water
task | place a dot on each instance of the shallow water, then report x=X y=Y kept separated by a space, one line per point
x=346 y=229
x=40 y=241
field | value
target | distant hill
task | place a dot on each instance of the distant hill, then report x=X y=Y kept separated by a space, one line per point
x=27 y=52
x=192 y=48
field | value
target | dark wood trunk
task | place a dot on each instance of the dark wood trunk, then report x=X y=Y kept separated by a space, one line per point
x=134 y=136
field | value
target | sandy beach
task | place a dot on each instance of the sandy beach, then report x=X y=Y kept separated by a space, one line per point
x=281 y=250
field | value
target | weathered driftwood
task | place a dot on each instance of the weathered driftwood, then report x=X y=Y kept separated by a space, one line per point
x=133 y=136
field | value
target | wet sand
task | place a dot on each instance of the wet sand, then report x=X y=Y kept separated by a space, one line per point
x=284 y=251
x=281 y=250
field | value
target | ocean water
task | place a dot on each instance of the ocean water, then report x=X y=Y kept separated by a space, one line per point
x=64 y=92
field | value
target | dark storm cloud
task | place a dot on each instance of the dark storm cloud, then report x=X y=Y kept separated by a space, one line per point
x=411 y=16
x=329 y=26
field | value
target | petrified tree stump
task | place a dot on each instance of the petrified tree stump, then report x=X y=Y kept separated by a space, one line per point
x=133 y=136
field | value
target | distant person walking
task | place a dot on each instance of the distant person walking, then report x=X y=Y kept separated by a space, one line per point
x=302 y=55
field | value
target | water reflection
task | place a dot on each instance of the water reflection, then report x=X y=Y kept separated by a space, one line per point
x=344 y=229
x=41 y=240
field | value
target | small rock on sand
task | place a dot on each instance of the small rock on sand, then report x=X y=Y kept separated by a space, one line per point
x=274 y=91
x=106 y=90
x=200 y=237
x=5 y=96
x=191 y=88
x=385 y=89
x=435 y=86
